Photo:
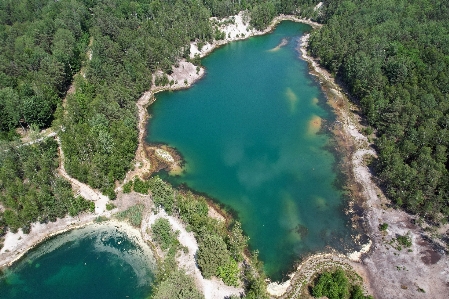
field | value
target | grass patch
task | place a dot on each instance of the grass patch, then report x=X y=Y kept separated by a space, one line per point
x=133 y=215
x=101 y=219
x=110 y=206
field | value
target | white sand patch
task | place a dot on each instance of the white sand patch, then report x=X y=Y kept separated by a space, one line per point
x=239 y=29
x=164 y=155
x=356 y=255
x=278 y=289
x=318 y=6
x=17 y=244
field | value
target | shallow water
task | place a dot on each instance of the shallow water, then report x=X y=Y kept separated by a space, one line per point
x=253 y=135
x=97 y=261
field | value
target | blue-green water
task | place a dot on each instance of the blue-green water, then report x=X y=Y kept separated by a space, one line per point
x=253 y=138
x=93 y=262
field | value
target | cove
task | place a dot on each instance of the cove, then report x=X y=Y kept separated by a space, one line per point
x=253 y=133
x=97 y=261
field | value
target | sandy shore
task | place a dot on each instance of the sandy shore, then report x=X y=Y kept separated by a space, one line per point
x=421 y=271
x=423 y=268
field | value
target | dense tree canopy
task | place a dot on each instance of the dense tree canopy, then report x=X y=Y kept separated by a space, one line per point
x=30 y=189
x=394 y=58
x=336 y=285
x=41 y=46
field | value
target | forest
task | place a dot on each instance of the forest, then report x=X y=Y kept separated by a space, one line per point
x=119 y=44
x=393 y=57
x=30 y=189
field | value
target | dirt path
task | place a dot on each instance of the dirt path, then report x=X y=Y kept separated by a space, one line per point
x=17 y=244
x=211 y=288
x=80 y=188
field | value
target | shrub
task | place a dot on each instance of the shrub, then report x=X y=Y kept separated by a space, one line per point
x=177 y=286
x=229 y=273
x=404 y=240
x=163 y=233
x=128 y=187
x=383 y=226
x=163 y=193
x=335 y=285
x=110 y=206
x=332 y=285
x=212 y=253
x=141 y=186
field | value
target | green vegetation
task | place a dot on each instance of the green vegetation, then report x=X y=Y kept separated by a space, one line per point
x=335 y=285
x=132 y=214
x=177 y=286
x=401 y=241
x=110 y=206
x=128 y=187
x=212 y=253
x=163 y=234
x=393 y=57
x=119 y=44
x=41 y=47
x=31 y=190
x=383 y=226
x=162 y=193
x=140 y=186
x=404 y=240
x=220 y=245
x=130 y=41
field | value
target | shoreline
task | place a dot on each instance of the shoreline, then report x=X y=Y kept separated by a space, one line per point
x=388 y=286
x=375 y=263
x=193 y=76
x=183 y=76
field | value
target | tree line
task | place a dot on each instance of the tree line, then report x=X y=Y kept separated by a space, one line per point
x=393 y=57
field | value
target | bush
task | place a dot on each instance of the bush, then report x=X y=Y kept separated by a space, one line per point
x=229 y=273
x=163 y=193
x=177 y=286
x=128 y=187
x=141 y=186
x=236 y=241
x=332 y=285
x=110 y=206
x=404 y=240
x=212 y=253
x=335 y=285
x=163 y=233
x=383 y=226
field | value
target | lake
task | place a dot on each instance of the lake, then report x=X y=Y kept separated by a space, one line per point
x=97 y=261
x=254 y=135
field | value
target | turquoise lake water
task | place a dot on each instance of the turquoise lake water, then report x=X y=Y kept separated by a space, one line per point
x=92 y=262
x=253 y=135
